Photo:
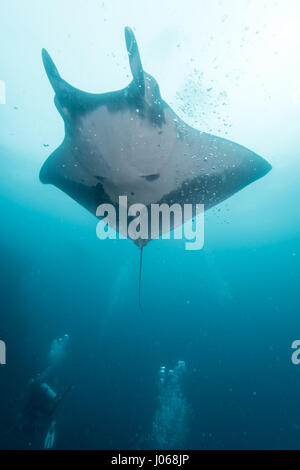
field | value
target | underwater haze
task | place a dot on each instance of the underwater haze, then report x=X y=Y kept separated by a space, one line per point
x=228 y=313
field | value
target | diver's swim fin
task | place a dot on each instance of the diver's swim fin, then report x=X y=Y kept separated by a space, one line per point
x=50 y=437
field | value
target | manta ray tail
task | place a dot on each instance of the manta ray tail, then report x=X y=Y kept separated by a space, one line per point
x=140 y=280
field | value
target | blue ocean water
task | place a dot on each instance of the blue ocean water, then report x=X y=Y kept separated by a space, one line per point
x=230 y=310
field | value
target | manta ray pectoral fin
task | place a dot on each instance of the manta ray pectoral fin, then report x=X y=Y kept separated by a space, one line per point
x=135 y=60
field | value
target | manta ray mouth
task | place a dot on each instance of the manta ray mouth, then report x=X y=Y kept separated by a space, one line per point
x=151 y=177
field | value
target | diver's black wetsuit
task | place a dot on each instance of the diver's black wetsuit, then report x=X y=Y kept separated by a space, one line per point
x=40 y=406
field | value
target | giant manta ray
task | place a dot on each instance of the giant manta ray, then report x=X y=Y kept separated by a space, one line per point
x=131 y=143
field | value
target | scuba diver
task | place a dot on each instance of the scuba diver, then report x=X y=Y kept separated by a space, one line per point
x=42 y=401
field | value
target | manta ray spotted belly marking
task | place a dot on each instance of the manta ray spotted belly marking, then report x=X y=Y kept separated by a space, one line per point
x=131 y=143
